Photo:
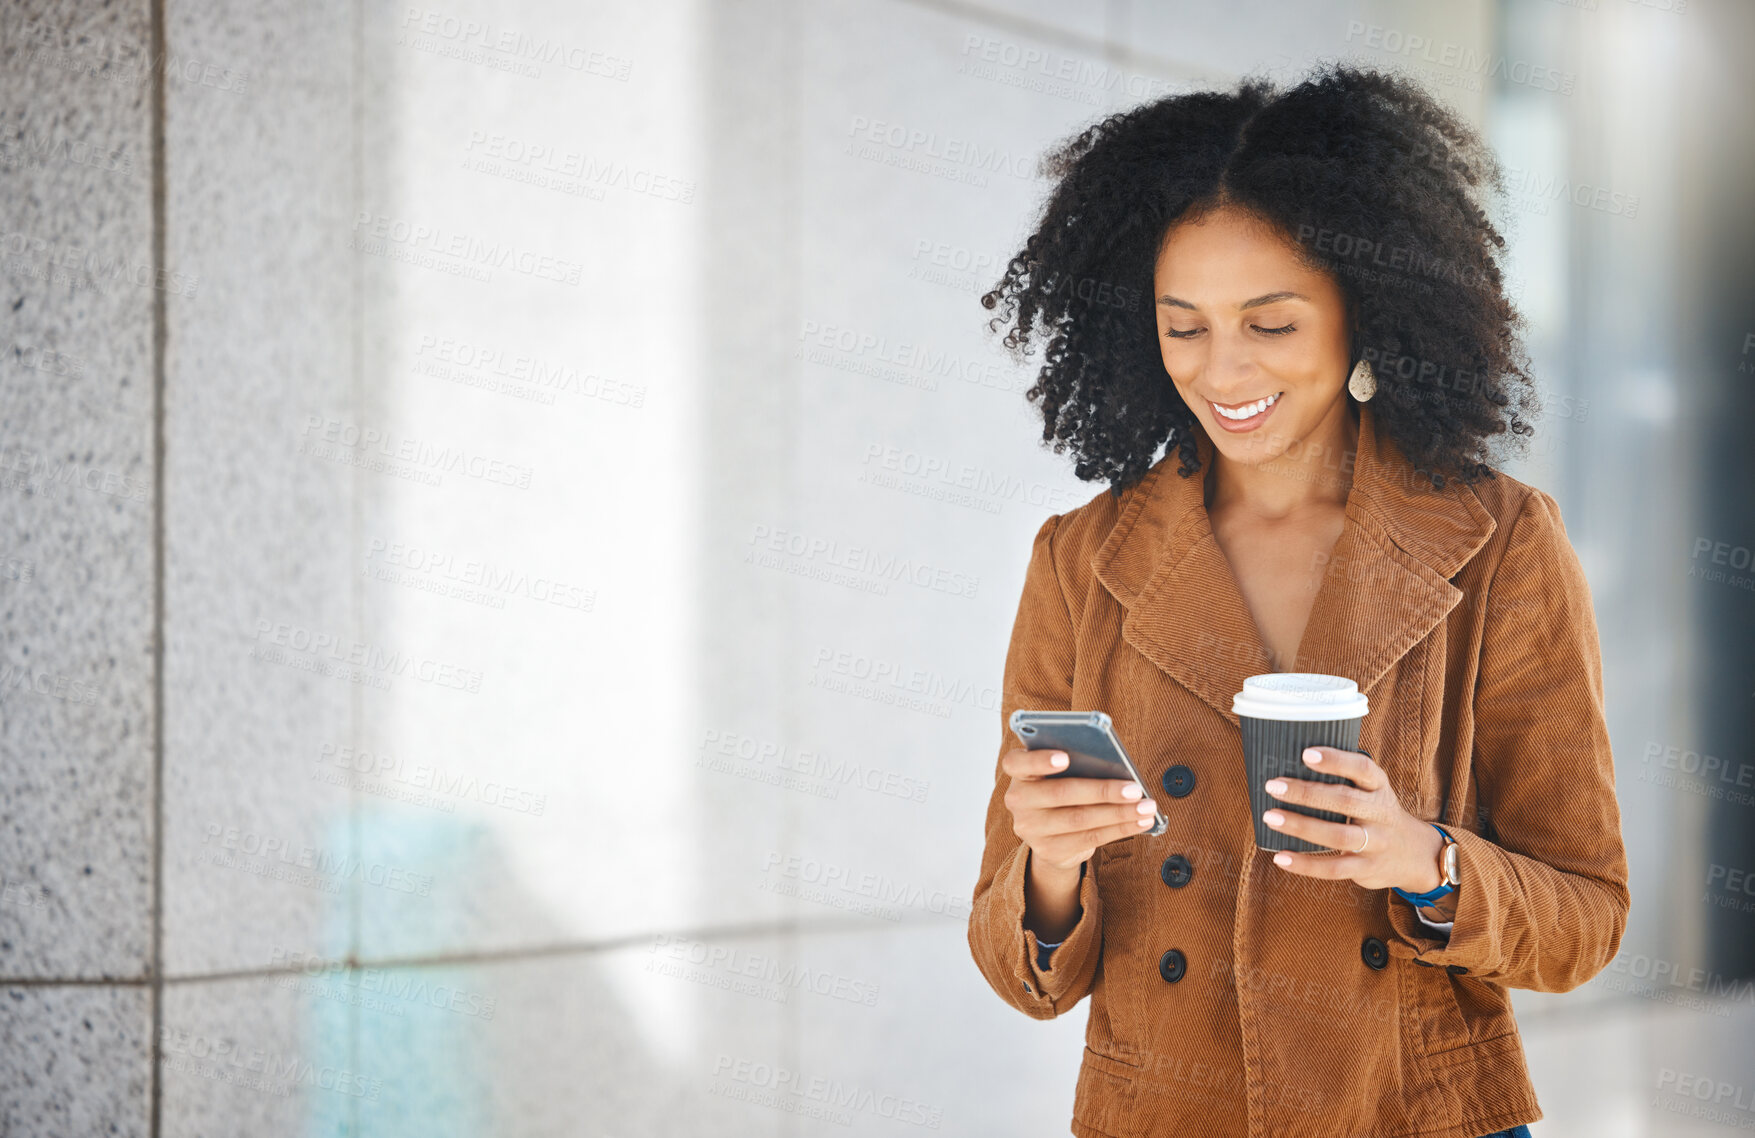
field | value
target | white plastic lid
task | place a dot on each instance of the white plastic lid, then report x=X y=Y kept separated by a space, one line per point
x=1301 y=697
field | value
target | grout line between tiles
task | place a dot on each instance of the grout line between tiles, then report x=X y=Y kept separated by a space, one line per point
x=155 y=971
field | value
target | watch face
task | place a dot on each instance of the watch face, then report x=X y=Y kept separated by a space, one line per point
x=1450 y=863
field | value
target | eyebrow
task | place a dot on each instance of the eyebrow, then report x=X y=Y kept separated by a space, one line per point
x=1256 y=302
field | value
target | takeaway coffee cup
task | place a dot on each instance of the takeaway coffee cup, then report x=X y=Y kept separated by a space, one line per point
x=1281 y=714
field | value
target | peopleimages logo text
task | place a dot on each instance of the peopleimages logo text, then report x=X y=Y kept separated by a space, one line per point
x=370 y=657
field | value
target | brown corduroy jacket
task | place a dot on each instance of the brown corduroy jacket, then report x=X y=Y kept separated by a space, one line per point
x=1305 y=1006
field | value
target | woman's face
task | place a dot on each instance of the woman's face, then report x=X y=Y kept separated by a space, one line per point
x=1242 y=320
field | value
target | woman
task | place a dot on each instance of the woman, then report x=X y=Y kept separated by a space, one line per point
x=1328 y=354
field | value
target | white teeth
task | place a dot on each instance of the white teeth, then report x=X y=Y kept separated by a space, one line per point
x=1248 y=410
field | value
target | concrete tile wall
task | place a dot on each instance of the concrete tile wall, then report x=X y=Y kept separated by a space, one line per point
x=260 y=534
x=78 y=1060
x=76 y=501
x=551 y=573
x=76 y=570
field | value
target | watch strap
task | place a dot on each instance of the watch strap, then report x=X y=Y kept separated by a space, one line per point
x=1427 y=897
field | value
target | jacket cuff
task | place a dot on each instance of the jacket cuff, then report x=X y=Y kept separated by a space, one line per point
x=1472 y=943
x=1050 y=990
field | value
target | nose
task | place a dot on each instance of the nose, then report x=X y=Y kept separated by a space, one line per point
x=1230 y=368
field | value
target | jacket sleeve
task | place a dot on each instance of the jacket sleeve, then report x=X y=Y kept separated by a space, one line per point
x=1038 y=676
x=1542 y=903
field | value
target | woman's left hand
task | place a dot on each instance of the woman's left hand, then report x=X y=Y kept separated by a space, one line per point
x=1401 y=851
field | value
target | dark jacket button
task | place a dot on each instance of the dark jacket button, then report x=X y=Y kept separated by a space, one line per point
x=1176 y=871
x=1374 y=952
x=1455 y=969
x=1171 y=965
x=1178 y=781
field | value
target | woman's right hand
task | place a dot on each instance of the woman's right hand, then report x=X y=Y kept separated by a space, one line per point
x=1064 y=820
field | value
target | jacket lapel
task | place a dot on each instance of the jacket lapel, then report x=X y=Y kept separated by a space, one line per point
x=1386 y=585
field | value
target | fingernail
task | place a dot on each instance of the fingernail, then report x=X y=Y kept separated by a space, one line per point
x=1144 y=822
x=1282 y=859
x=1147 y=808
x=1058 y=759
x=1131 y=791
x=1312 y=756
x=1276 y=786
x=1273 y=817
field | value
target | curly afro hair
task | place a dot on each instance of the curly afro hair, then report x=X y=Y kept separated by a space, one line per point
x=1368 y=178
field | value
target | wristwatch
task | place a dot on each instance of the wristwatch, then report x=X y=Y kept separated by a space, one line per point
x=1447 y=872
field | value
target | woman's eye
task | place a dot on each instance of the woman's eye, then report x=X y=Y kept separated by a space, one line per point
x=1192 y=332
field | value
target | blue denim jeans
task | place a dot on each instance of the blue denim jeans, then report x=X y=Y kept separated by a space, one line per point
x=1518 y=1131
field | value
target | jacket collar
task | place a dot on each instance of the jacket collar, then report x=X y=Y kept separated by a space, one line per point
x=1386 y=585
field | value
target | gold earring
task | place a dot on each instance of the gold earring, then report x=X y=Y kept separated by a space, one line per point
x=1363 y=382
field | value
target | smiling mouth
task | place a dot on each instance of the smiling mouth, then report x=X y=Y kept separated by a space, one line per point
x=1245 y=410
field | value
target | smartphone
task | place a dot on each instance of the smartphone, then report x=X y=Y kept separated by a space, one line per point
x=1092 y=749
